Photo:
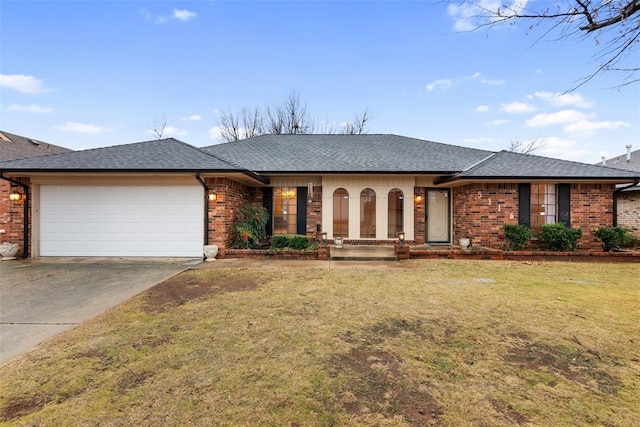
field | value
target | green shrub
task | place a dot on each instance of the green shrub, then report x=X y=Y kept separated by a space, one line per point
x=280 y=241
x=630 y=242
x=297 y=241
x=612 y=237
x=558 y=237
x=517 y=236
x=249 y=228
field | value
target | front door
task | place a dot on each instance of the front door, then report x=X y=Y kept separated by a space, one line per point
x=438 y=216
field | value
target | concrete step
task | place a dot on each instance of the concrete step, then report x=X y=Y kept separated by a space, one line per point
x=362 y=253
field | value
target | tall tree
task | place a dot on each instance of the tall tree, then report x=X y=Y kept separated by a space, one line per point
x=246 y=124
x=614 y=24
x=291 y=116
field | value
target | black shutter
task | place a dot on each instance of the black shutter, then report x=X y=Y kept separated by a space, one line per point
x=524 y=205
x=267 y=202
x=301 y=213
x=564 y=204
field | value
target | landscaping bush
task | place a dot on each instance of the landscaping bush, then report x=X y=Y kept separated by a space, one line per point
x=517 y=236
x=613 y=237
x=280 y=241
x=297 y=241
x=249 y=227
x=558 y=237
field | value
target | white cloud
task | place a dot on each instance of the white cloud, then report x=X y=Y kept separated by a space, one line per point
x=22 y=83
x=517 y=107
x=447 y=83
x=179 y=14
x=173 y=131
x=588 y=127
x=183 y=15
x=569 y=149
x=492 y=82
x=559 y=100
x=482 y=108
x=167 y=132
x=468 y=16
x=497 y=122
x=557 y=118
x=31 y=108
x=192 y=118
x=440 y=84
x=216 y=133
x=82 y=128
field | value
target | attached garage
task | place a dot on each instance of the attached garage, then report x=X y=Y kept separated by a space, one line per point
x=121 y=220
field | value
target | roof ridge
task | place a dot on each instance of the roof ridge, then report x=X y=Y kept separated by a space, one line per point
x=478 y=163
x=560 y=160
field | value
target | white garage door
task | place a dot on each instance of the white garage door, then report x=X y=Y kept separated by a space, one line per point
x=148 y=221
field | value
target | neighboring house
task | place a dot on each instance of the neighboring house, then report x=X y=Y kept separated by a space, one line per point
x=168 y=198
x=17 y=147
x=628 y=196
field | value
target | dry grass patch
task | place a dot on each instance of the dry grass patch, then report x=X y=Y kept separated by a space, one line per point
x=432 y=343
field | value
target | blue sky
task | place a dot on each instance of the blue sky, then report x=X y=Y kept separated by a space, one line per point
x=86 y=74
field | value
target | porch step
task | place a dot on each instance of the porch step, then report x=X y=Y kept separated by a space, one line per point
x=362 y=253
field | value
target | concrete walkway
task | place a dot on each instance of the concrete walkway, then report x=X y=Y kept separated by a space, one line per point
x=40 y=298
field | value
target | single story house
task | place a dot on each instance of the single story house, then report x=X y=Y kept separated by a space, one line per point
x=168 y=198
x=17 y=147
x=628 y=197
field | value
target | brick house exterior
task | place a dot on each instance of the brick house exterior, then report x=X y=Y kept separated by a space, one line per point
x=373 y=185
x=628 y=199
x=16 y=147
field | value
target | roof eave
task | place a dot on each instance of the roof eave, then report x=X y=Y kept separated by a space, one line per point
x=618 y=179
x=254 y=176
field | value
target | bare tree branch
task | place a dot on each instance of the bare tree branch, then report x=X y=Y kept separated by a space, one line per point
x=158 y=126
x=523 y=147
x=614 y=23
x=357 y=126
x=290 y=116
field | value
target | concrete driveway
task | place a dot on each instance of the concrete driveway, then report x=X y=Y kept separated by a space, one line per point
x=40 y=298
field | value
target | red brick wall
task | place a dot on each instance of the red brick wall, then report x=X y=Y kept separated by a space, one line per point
x=314 y=213
x=591 y=207
x=5 y=189
x=480 y=211
x=223 y=211
x=15 y=228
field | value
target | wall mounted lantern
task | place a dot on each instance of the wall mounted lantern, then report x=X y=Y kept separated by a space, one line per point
x=213 y=197
x=418 y=198
x=15 y=196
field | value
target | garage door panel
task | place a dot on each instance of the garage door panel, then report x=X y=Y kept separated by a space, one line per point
x=121 y=221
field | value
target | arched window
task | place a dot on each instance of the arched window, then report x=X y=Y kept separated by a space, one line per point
x=341 y=213
x=395 y=213
x=367 y=213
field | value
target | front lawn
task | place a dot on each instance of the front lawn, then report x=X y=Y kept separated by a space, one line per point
x=433 y=342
